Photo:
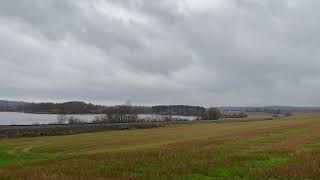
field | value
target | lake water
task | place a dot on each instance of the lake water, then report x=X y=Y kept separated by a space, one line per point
x=14 y=118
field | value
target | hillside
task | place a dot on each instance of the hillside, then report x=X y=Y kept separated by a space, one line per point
x=78 y=107
x=11 y=105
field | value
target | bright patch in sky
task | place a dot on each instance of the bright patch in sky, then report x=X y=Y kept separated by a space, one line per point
x=198 y=5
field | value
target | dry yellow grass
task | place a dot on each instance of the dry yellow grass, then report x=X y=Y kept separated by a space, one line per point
x=284 y=148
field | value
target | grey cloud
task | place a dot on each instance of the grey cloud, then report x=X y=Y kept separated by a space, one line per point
x=242 y=52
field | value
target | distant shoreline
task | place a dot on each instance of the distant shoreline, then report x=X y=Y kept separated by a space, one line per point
x=16 y=131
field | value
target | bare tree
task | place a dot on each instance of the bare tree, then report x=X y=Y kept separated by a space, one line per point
x=61 y=119
x=212 y=114
x=100 y=119
x=118 y=114
x=73 y=120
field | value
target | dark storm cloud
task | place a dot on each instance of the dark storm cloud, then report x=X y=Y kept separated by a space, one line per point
x=231 y=52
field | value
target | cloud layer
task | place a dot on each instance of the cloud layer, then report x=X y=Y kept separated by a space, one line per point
x=210 y=52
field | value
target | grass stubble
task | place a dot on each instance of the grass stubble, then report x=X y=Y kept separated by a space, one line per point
x=286 y=148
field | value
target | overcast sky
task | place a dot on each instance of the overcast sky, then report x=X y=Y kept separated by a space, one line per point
x=199 y=52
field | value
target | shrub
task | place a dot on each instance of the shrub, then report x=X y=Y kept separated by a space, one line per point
x=73 y=120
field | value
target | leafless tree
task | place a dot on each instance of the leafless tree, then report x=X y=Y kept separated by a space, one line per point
x=61 y=119
x=212 y=114
x=118 y=114
x=74 y=120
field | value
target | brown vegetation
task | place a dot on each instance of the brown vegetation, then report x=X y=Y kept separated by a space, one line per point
x=286 y=148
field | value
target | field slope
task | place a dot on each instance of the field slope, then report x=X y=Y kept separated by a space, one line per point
x=287 y=148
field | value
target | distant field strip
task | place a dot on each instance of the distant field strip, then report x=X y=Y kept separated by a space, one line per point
x=286 y=148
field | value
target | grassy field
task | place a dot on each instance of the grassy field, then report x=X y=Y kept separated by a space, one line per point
x=287 y=148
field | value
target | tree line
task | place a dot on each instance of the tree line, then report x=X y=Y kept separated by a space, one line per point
x=88 y=108
x=125 y=114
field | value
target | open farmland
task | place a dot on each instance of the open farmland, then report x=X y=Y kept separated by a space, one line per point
x=286 y=148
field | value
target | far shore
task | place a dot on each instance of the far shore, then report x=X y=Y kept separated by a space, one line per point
x=14 y=131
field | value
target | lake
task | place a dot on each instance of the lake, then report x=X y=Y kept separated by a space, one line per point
x=14 y=118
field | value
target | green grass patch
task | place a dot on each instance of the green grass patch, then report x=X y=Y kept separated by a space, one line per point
x=10 y=155
x=312 y=147
x=263 y=163
x=142 y=168
x=245 y=161
x=224 y=172
x=262 y=159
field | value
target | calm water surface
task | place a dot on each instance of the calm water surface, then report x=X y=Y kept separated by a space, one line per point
x=13 y=118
